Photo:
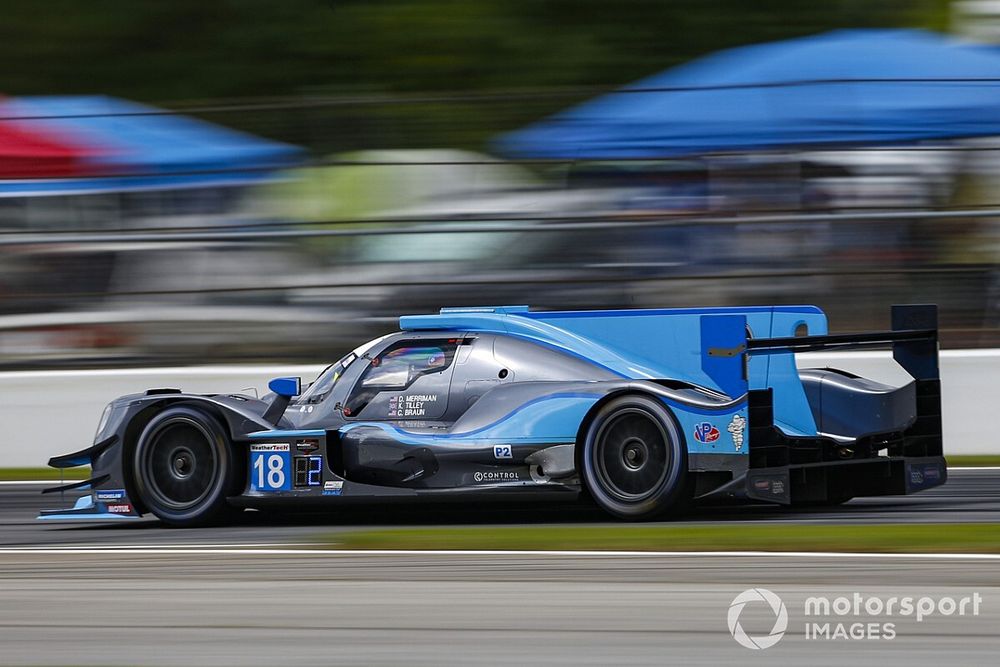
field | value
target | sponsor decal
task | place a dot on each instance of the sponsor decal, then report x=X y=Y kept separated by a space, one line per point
x=270 y=447
x=705 y=432
x=916 y=477
x=502 y=452
x=121 y=508
x=497 y=476
x=110 y=494
x=410 y=405
x=310 y=445
x=736 y=428
x=333 y=488
x=773 y=485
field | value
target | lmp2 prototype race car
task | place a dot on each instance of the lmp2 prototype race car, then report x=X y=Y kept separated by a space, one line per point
x=642 y=410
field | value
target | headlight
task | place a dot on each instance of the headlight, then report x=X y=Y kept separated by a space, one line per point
x=104 y=421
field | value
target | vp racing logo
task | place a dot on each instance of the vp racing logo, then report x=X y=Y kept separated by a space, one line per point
x=706 y=432
x=757 y=642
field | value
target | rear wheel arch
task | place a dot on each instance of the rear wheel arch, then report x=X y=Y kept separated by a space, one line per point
x=588 y=419
x=669 y=496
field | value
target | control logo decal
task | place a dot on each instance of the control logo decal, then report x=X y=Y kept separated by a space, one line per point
x=705 y=432
x=497 y=476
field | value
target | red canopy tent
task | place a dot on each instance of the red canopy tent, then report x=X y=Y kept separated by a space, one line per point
x=27 y=152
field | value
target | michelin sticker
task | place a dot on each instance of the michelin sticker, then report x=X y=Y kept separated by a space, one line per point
x=110 y=494
x=410 y=405
x=736 y=428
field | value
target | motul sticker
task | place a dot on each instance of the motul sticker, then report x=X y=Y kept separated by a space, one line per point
x=705 y=432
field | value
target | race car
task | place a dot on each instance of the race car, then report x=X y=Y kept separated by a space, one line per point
x=643 y=411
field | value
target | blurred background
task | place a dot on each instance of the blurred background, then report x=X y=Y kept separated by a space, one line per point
x=193 y=182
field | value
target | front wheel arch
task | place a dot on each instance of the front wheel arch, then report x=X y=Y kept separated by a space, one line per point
x=138 y=424
x=232 y=470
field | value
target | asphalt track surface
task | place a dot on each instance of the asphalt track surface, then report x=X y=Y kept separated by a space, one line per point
x=971 y=495
x=131 y=594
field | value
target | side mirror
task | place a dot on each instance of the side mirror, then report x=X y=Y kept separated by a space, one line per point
x=287 y=387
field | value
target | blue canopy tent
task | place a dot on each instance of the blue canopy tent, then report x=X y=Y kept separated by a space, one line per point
x=142 y=147
x=842 y=87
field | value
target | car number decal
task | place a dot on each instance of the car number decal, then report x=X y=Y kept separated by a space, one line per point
x=269 y=467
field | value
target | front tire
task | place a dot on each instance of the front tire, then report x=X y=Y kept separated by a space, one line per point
x=634 y=459
x=183 y=468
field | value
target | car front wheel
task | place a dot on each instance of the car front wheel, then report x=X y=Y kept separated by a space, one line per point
x=183 y=467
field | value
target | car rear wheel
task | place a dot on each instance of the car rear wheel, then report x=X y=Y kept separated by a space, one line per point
x=634 y=460
x=183 y=467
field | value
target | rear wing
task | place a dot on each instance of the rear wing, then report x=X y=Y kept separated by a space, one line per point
x=728 y=348
x=913 y=339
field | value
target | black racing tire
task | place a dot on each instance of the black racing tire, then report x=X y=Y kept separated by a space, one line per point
x=634 y=460
x=184 y=469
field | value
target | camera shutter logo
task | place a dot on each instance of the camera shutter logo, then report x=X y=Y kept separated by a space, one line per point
x=757 y=642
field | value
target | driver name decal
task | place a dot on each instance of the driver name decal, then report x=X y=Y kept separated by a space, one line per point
x=410 y=405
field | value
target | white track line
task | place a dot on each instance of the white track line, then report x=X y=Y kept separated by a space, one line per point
x=326 y=553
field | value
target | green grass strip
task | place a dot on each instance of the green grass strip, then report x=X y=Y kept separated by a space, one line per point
x=882 y=538
x=974 y=460
x=34 y=474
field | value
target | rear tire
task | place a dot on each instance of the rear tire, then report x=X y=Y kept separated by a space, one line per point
x=183 y=468
x=634 y=460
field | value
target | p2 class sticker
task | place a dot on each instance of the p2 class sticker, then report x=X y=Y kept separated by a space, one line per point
x=270 y=467
x=706 y=432
x=333 y=488
x=503 y=452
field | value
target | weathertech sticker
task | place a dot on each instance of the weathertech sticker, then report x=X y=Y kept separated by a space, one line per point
x=270 y=447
